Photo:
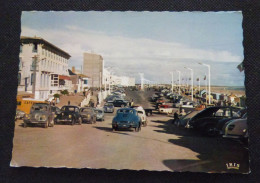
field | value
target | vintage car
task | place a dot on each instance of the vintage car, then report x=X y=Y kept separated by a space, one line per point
x=55 y=110
x=142 y=114
x=182 y=121
x=19 y=114
x=126 y=118
x=206 y=121
x=99 y=114
x=40 y=113
x=237 y=128
x=120 y=103
x=109 y=107
x=68 y=114
x=88 y=115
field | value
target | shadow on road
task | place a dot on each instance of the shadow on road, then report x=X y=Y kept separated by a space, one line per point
x=213 y=153
x=107 y=129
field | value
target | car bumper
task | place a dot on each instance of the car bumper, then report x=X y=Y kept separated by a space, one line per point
x=35 y=122
x=124 y=126
x=232 y=136
x=63 y=120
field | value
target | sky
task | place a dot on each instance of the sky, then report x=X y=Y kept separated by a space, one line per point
x=153 y=43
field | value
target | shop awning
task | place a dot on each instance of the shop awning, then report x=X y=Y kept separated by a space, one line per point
x=64 y=77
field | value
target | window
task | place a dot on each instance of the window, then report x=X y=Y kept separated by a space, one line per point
x=42 y=51
x=34 y=48
x=21 y=48
x=32 y=77
x=19 y=78
x=85 y=82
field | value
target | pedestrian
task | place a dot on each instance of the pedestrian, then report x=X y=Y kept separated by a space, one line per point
x=68 y=102
x=84 y=93
x=132 y=102
x=175 y=116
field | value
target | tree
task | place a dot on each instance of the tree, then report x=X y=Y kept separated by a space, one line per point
x=56 y=95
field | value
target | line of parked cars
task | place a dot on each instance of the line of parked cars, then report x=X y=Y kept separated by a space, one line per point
x=227 y=121
x=46 y=115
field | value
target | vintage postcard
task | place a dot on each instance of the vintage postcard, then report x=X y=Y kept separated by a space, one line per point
x=160 y=91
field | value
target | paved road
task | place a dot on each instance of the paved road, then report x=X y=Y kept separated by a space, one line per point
x=159 y=146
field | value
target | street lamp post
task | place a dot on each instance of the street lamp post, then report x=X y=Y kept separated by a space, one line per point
x=179 y=72
x=172 y=80
x=209 y=79
x=191 y=81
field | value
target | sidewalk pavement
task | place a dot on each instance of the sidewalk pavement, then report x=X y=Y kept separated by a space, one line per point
x=74 y=99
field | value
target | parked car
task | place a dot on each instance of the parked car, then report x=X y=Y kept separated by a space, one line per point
x=166 y=109
x=88 y=115
x=120 y=103
x=141 y=113
x=126 y=118
x=237 y=128
x=206 y=120
x=19 y=114
x=224 y=122
x=55 y=110
x=99 y=114
x=109 y=107
x=182 y=121
x=40 y=113
x=188 y=104
x=68 y=114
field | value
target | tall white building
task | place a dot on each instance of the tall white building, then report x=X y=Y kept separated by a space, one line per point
x=47 y=63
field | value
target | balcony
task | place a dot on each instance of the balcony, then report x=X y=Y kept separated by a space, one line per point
x=34 y=67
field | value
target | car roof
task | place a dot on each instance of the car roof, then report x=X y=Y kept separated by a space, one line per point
x=70 y=106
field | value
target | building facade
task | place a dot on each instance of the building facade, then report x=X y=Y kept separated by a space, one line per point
x=43 y=68
x=93 y=68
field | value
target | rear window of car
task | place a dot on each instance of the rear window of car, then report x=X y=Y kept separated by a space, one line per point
x=86 y=110
x=71 y=109
x=125 y=111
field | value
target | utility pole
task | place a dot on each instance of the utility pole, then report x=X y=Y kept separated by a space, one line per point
x=34 y=65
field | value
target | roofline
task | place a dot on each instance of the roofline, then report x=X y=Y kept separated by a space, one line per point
x=41 y=40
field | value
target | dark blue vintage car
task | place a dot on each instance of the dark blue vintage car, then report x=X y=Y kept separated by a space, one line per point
x=126 y=118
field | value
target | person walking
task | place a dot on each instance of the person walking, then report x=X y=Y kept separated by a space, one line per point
x=176 y=117
x=68 y=102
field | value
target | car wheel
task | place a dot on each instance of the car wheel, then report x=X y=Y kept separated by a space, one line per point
x=80 y=121
x=51 y=124
x=210 y=131
x=113 y=129
x=24 y=124
x=46 y=125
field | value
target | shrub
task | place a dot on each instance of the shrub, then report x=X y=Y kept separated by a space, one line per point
x=64 y=92
x=56 y=95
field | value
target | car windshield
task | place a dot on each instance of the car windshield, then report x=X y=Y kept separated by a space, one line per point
x=98 y=111
x=85 y=110
x=109 y=104
x=140 y=112
x=125 y=111
x=67 y=108
x=190 y=115
x=38 y=107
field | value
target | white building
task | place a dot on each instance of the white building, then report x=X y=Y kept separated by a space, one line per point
x=48 y=63
x=117 y=80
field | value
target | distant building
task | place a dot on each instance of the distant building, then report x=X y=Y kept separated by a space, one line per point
x=80 y=82
x=93 y=68
x=47 y=63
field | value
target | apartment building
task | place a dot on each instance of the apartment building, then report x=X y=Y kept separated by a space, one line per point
x=43 y=68
x=93 y=68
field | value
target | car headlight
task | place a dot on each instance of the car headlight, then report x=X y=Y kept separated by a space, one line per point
x=70 y=116
x=244 y=130
x=88 y=115
x=55 y=115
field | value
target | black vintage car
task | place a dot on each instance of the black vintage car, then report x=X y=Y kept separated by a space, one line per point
x=120 y=103
x=68 y=114
x=207 y=120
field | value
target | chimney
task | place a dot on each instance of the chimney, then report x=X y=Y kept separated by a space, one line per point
x=73 y=69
